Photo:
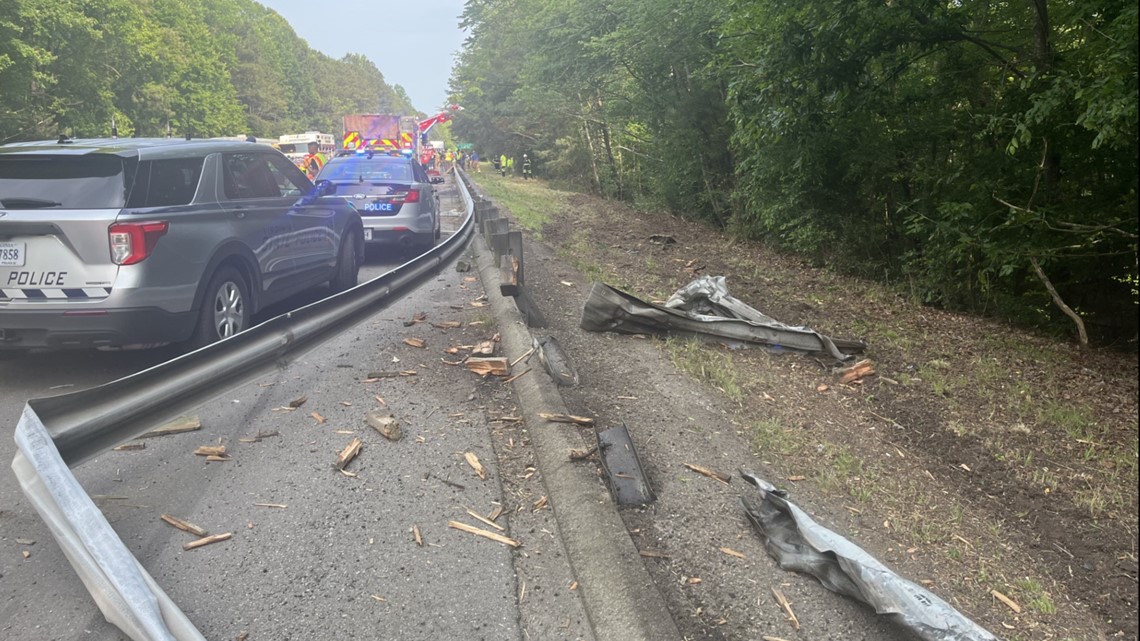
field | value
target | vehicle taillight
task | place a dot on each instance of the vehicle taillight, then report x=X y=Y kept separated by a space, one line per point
x=132 y=242
x=412 y=196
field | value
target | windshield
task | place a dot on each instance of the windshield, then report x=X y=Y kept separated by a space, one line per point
x=385 y=169
x=91 y=181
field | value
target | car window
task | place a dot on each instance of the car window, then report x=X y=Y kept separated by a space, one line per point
x=291 y=180
x=90 y=181
x=250 y=176
x=419 y=173
x=165 y=183
x=377 y=169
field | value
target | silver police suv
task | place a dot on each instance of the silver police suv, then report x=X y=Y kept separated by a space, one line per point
x=137 y=242
x=393 y=193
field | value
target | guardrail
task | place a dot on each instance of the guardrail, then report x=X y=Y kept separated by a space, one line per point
x=61 y=431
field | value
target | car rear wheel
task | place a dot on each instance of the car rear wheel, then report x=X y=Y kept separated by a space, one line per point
x=347 y=263
x=225 y=309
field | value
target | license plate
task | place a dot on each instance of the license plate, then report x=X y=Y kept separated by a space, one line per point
x=12 y=254
x=377 y=206
x=367 y=234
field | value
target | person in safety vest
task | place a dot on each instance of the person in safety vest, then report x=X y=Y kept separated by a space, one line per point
x=313 y=161
x=526 y=167
x=503 y=165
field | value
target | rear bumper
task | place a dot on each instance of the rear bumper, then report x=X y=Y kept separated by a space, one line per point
x=26 y=329
x=405 y=237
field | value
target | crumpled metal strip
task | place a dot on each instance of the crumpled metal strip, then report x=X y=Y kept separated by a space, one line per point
x=799 y=543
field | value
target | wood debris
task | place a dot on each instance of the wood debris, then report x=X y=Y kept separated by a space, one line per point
x=1006 y=600
x=709 y=473
x=22 y=541
x=473 y=461
x=214 y=538
x=696 y=580
x=732 y=552
x=418 y=317
x=415 y=342
x=796 y=478
x=483 y=533
x=496 y=513
x=484 y=348
x=539 y=504
x=447 y=325
x=348 y=453
x=495 y=366
x=416 y=536
x=127 y=447
x=177 y=426
x=856 y=372
x=525 y=355
x=218 y=458
x=318 y=418
x=298 y=402
x=783 y=601
x=26 y=554
x=210 y=450
x=280 y=506
x=581 y=455
x=372 y=376
x=566 y=418
x=515 y=377
x=385 y=424
x=185 y=526
x=486 y=520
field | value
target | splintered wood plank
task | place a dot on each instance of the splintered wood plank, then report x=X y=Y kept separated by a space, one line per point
x=470 y=529
x=215 y=538
x=473 y=461
x=185 y=526
x=177 y=426
x=348 y=453
x=210 y=450
x=709 y=473
x=566 y=418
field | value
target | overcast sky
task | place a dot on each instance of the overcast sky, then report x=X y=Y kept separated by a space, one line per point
x=411 y=42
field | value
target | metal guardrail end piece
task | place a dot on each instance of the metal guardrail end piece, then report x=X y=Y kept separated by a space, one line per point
x=623 y=468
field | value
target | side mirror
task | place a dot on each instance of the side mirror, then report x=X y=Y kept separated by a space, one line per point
x=325 y=188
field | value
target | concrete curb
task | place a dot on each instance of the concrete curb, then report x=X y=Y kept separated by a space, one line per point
x=621 y=600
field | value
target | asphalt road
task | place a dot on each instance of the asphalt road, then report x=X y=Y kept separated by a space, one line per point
x=324 y=555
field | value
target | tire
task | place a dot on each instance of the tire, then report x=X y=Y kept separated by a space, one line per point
x=347 y=263
x=226 y=308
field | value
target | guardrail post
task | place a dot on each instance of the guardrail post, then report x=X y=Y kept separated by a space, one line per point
x=515 y=250
x=495 y=234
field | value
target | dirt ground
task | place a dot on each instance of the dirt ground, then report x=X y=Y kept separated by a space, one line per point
x=979 y=459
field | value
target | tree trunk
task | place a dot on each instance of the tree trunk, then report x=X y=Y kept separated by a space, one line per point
x=1081 y=334
x=1043 y=61
x=593 y=160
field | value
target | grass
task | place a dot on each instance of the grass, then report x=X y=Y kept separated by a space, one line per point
x=530 y=202
x=708 y=364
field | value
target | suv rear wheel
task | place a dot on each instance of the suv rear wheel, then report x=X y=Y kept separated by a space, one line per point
x=225 y=308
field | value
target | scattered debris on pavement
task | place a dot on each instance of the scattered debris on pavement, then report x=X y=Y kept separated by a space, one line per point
x=493 y=366
x=385 y=424
x=185 y=526
x=470 y=529
x=298 y=402
x=473 y=461
x=127 y=447
x=855 y=373
x=348 y=453
x=177 y=426
x=787 y=606
x=214 y=538
x=415 y=342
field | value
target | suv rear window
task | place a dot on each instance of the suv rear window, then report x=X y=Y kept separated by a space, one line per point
x=165 y=183
x=367 y=169
x=90 y=181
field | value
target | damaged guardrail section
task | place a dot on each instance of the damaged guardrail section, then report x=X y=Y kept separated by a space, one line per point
x=58 y=432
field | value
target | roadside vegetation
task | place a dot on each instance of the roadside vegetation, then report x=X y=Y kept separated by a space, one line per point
x=980 y=457
x=206 y=68
x=977 y=155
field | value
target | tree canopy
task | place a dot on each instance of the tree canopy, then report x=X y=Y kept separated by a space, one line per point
x=981 y=154
x=204 y=67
